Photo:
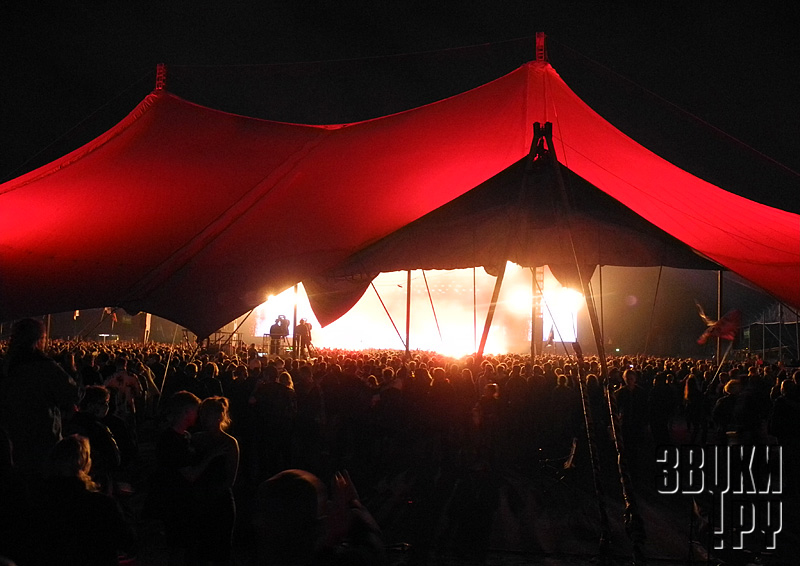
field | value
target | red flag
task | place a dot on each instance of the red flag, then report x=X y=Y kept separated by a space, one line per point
x=724 y=328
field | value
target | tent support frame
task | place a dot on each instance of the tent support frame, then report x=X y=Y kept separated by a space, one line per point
x=634 y=526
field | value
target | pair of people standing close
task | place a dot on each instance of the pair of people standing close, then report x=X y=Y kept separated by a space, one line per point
x=191 y=488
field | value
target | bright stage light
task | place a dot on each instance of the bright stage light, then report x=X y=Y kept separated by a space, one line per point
x=455 y=328
x=560 y=308
x=521 y=299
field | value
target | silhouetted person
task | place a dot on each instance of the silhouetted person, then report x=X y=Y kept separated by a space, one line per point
x=296 y=525
x=633 y=415
x=106 y=457
x=784 y=424
x=74 y=524
x=171 y=498
x=662 y=408
x=694 y=405
x=215 y=509
x=15 y=504
x=302 y=335
x=34 y=392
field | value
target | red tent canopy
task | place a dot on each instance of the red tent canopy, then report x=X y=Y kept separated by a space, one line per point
x=206 y=198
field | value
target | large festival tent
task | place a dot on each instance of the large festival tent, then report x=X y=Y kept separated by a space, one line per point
x=428 y=187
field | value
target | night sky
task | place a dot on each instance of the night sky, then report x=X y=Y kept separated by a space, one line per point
x=711 y=86
x=672 y=76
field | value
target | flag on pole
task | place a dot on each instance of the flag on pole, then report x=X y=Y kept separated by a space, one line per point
x=551 y=337
x=724 y=328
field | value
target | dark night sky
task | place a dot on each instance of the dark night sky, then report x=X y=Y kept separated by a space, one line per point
x=673 y=75
x=731 y=65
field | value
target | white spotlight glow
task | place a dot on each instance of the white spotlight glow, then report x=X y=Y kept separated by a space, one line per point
x=451 y=326
x=560 y=307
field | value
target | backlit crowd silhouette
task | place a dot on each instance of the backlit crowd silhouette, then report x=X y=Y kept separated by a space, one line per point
x=219 y=457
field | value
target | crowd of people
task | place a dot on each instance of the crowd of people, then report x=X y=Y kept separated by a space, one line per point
x=107 y=448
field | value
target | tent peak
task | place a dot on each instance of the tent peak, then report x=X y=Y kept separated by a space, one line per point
x=161 y=77
x=541 y=47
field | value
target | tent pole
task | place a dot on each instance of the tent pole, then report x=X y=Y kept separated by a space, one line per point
x=634 y=525
x=148 y=319
x=294 y=325
x=230 y=337
x=797 y=334
x=537 y=282
x=408 y=313
x=780 y=332
x=602 y=310
x=474 y=312
x=589 y=424
x=533 y=313
x=492 y=307
x=653 y=312
x=719 y=314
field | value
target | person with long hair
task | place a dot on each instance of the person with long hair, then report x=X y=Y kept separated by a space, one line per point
x=215 y=507
x=87 y=422
x=72 y=522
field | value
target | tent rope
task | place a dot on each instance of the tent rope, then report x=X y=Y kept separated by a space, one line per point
x=552 y=318
x=166 y=367
x=388 y=314
x=682 y=110
x=91 y=326
x=230 y=337
x=15 y=172
x=519 y=40
x=430 y=298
